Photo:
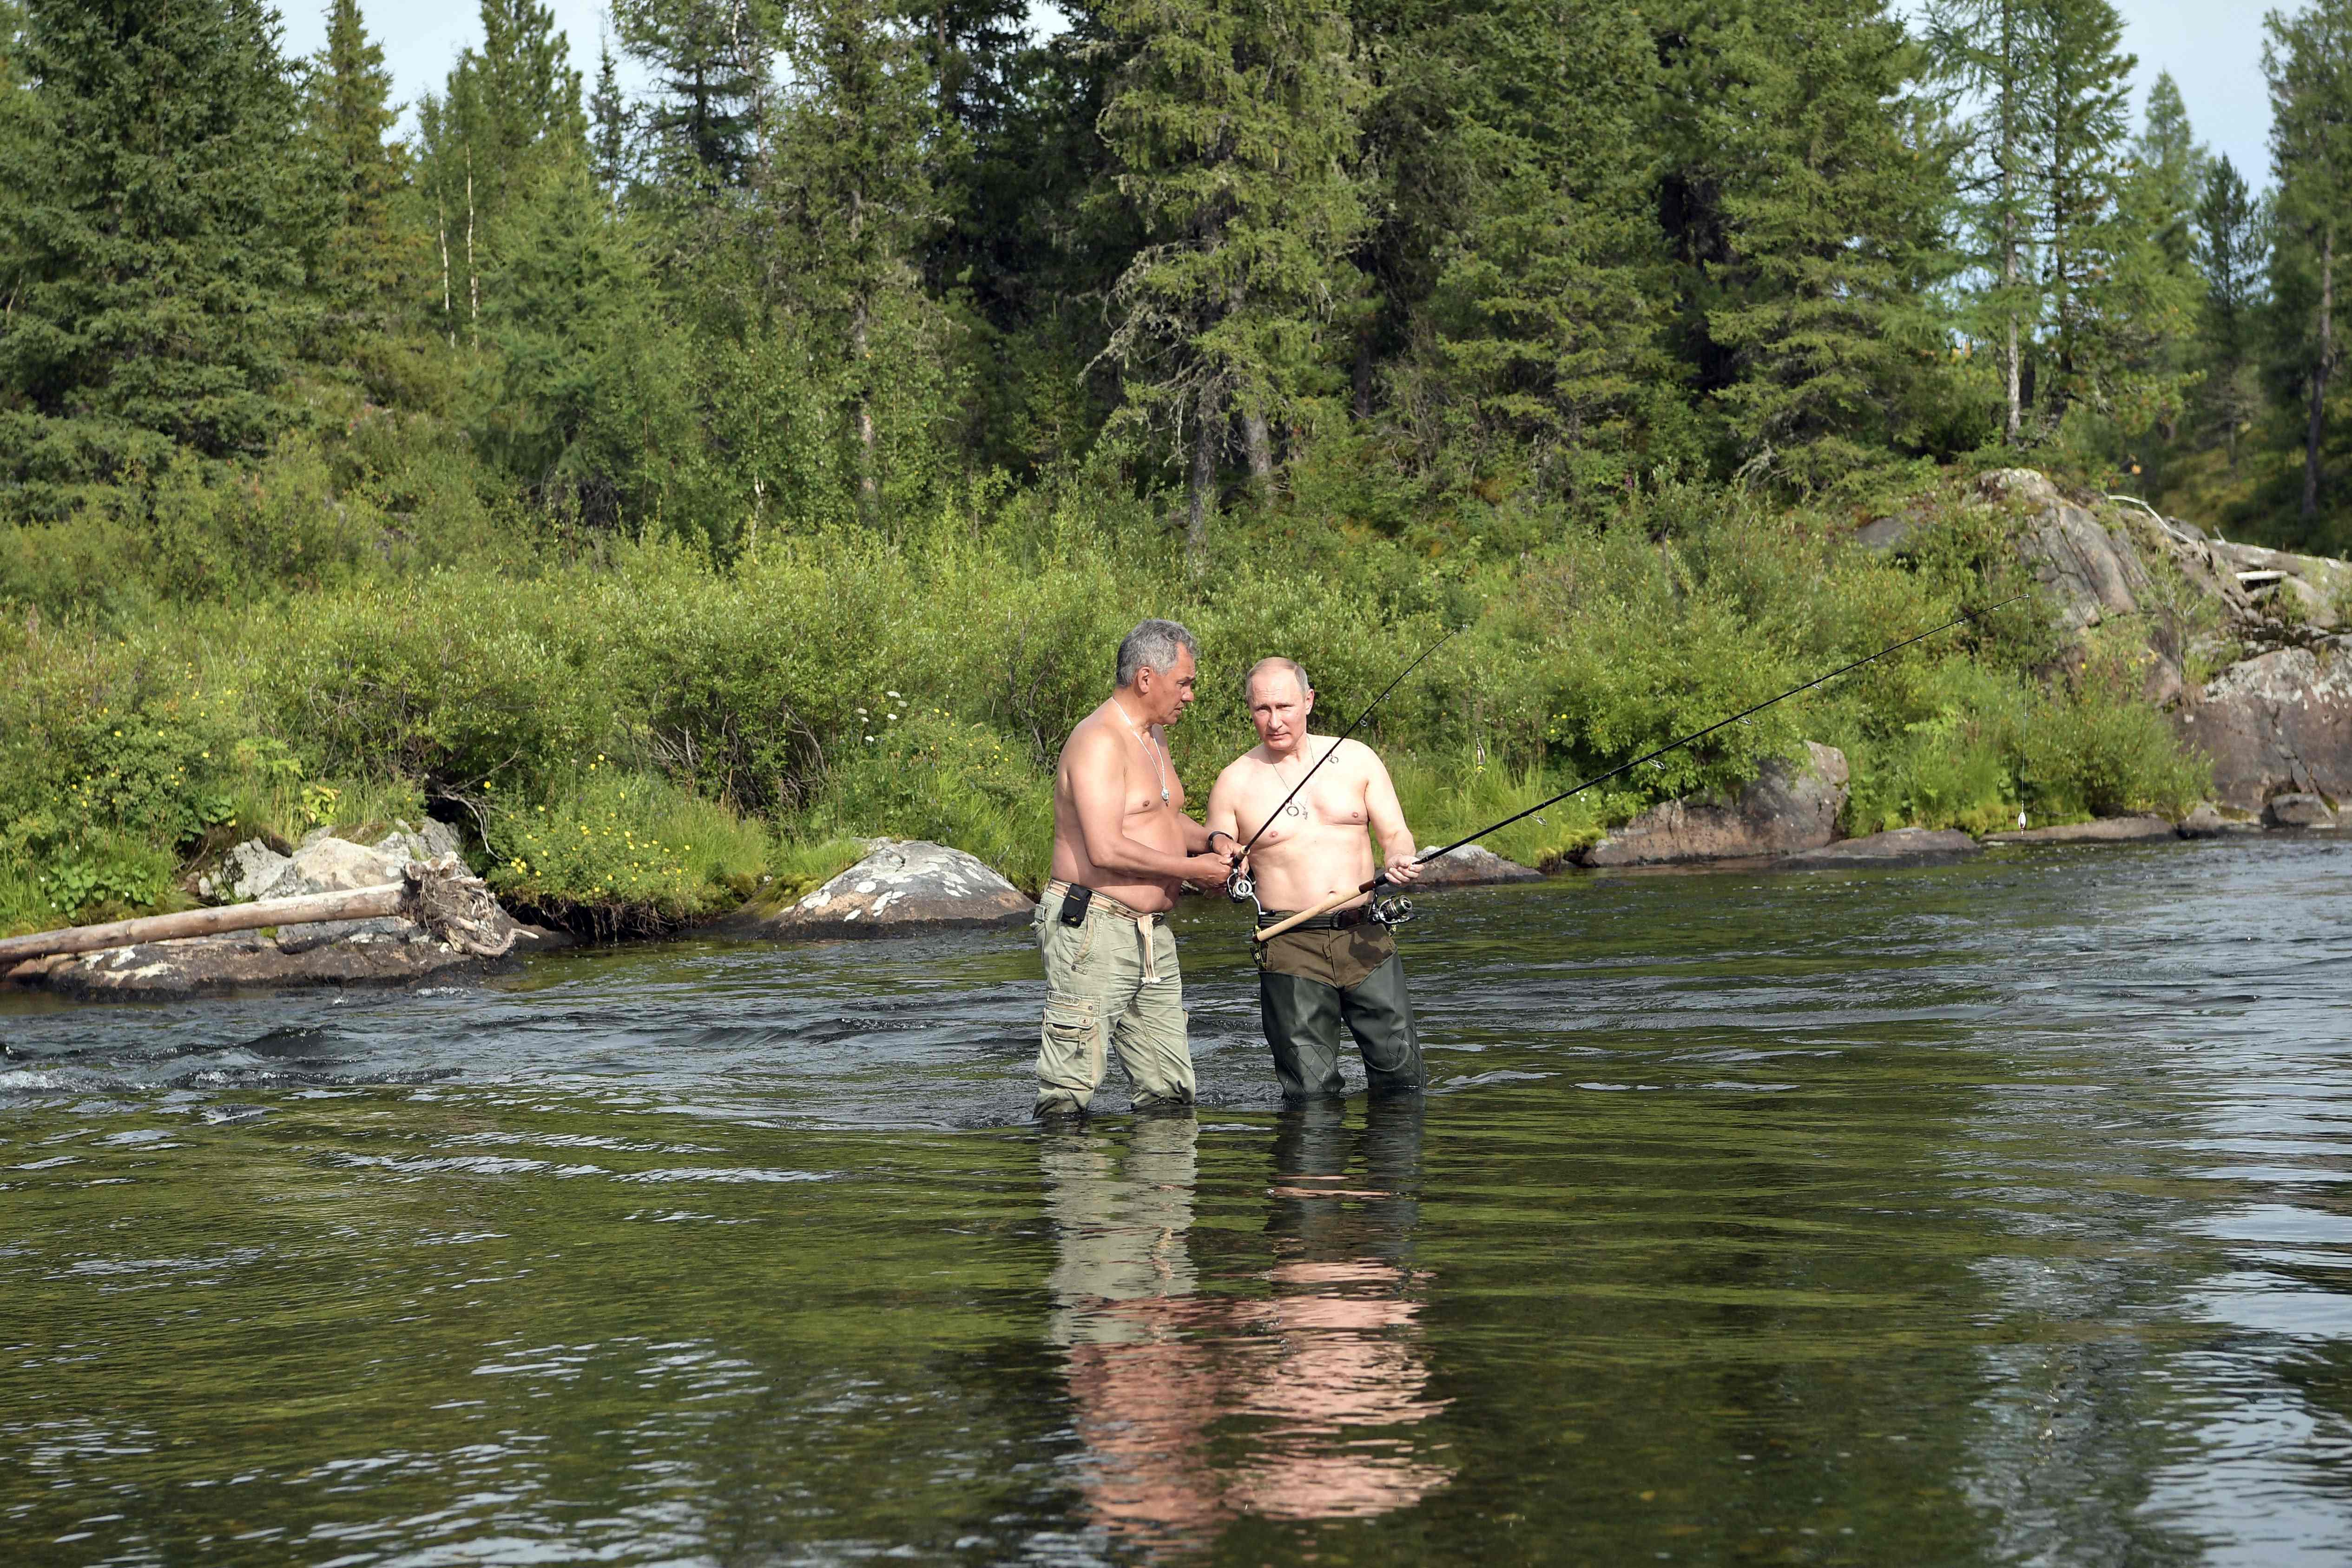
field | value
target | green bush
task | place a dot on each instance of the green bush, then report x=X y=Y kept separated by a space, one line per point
x=929 y=776
x=625 y=851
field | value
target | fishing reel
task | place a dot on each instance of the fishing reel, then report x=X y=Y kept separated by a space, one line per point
x=1241 y=887
x=1391 y=912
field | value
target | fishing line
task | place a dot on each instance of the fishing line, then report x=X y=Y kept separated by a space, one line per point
x=1379 y=877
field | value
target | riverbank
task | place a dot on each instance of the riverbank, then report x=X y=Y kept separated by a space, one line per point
x=632 y=737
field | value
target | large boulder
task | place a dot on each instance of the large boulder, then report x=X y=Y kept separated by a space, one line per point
x=1474 y=864
x=387 y=950
x=2298 y=590
x=902 y=885
x=1900 y=846
x=2280 y=723
x=1790 y=806
x=2104 y=830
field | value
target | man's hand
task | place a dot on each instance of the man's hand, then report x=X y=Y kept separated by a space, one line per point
x=1400 y=869
x=1209 y=869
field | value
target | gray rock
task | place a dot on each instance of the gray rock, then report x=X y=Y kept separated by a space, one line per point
x=2297 y=811
x=2106 y=831
x=1789 y=807
x=247 y=868
x=1474 y=864
x=429 y=842
x=318 y=933
x=240 y=961
x=2209 y=821
x=902 y=885
x=331 y=865
x=2280 y=723
x=2092 y=573
x=1890 y=536
x=2308 y=590
x=1902 y=846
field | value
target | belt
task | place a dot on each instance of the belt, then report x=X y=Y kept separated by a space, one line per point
x=1143 y=922
x=1340 y=919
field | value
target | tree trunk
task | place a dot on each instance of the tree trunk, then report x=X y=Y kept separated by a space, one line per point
x=358 y=904
x=2320 y=372
x=2009 y=377
x=1259 y=441
x=1207 y=426
x=473 y=279
x=868 y=492
x=1364 y=368
x=449 y=312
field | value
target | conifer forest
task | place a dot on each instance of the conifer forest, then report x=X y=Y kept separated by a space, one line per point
x=771 y=456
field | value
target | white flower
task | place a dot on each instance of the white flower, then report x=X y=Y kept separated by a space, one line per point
x=894 y=697
x=894 y=717
x=869 y=737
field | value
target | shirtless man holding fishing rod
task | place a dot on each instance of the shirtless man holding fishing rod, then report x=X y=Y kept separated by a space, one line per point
x=1122 y=845
x=1307 y=849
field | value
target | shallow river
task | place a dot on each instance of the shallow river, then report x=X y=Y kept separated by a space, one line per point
x=1988 y=1214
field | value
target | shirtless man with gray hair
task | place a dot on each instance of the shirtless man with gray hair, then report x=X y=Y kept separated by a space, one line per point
x=1342 y=966
x=1122 y=845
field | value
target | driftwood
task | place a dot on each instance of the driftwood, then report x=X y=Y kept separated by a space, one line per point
x=437 y=894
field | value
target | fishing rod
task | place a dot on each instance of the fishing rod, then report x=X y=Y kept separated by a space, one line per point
x=1240 y=886
x=1380 y=878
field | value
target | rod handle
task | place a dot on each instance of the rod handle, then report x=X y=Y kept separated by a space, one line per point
x=1325 y=907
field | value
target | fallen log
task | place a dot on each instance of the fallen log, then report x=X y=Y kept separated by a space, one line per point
x=437 y=894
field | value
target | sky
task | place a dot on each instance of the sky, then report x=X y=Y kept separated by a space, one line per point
x=2213 y=48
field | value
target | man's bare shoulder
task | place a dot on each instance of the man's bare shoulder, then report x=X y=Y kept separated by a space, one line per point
x=1356 y=757
x=1239 y=770
x=1091 y=744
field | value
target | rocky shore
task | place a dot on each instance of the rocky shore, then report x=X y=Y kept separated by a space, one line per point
x=2247 y=650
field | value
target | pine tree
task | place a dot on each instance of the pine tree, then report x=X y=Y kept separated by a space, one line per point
x=2169 y=167
x=2308 y=59
x=348 y=113
x=2231 y=246
x=1233 y=126
x=1810 y=200
x=154 y=211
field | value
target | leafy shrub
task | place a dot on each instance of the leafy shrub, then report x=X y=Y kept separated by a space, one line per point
x=929 y=776
x=625 y=851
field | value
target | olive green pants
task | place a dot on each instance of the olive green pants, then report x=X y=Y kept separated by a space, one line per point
x=1105 y=988
x=1312 y=980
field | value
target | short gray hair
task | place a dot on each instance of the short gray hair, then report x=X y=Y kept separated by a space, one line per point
x=1152 y=645
x=1278 y=662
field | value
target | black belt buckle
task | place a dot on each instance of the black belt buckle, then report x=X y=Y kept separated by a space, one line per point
x=1076 y=901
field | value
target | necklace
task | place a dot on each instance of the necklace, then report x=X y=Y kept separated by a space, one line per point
x=1293 y=807
x=1149 y=750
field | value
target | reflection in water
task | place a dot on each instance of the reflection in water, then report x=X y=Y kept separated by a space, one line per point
x=1310 y=1390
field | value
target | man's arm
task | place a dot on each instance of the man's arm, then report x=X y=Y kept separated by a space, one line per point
x=1097 y=768
x=1388 y=820
x=1224 y=817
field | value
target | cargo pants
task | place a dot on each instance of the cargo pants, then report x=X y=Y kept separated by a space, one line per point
x=1110 y=979
x=1313 y=978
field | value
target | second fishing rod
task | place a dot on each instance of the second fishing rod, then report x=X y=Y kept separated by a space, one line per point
x=1379 y=879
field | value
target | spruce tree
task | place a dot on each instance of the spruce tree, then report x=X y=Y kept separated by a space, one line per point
x=1546 y=303
x=1233 y=126
x=851 y=191
x=1807 y=203
x=2308 y=59
x=612 y=126
x=153 y=212
x=2082 y=104
x=712 y=59
x=348 y=113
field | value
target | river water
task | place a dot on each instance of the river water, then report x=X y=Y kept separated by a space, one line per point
x=1989 y=1214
